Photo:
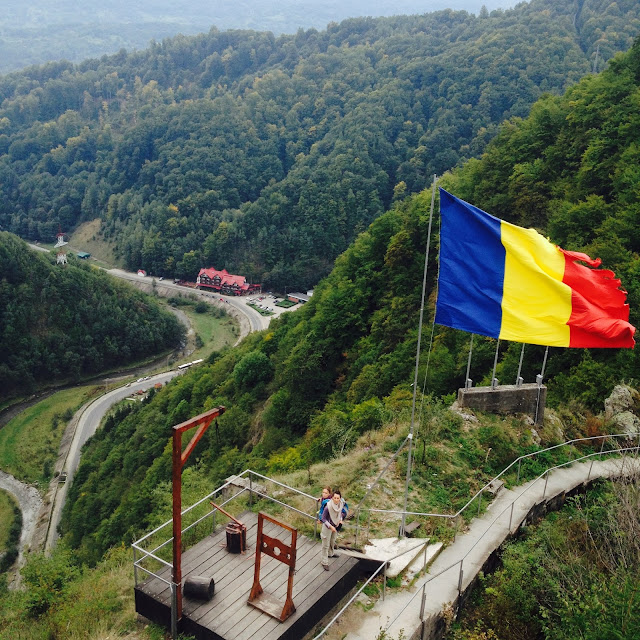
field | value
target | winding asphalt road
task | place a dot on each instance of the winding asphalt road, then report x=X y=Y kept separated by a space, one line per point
x=91 y=416
x=257 y=322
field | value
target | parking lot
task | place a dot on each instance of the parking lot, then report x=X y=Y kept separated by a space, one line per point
x=267 y=302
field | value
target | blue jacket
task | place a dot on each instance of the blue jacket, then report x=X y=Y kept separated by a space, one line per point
x=323 y=504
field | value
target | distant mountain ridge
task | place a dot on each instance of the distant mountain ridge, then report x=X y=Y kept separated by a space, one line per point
x=37 y=31
x=267 y=156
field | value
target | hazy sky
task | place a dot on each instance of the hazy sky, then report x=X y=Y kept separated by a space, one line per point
x=36 y=31
x=29 y=13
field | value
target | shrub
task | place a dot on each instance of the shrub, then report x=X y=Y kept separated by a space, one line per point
x=46 y=579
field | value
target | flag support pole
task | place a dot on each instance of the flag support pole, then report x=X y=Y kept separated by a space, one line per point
x=540 y=376
x=467 y=381
x=494 y=380
x=539 y=379
x=415 y=376
x=519 y=379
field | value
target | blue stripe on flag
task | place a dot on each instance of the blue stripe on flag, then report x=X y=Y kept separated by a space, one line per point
x=472 y=261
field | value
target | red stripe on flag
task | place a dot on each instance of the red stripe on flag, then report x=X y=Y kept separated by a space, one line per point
x=599 y=312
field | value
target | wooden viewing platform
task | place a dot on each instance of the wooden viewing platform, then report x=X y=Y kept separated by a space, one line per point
x=227 y=616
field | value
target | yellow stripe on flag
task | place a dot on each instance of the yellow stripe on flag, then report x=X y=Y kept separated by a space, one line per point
x=536 y=304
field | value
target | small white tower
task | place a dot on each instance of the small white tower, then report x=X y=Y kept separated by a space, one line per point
x=61 y=256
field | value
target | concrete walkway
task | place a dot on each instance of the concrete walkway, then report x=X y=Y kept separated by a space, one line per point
x=400 y=611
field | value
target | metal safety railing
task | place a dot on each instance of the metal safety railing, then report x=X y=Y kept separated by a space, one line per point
x=459 y=564
x=382 y=568
x=544 y=476
x=148 y=550
x=487 y=488
x=153 y=555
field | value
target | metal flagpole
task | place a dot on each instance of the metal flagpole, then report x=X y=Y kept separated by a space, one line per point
x=415 y=376
x=539 y=379
x=467 y=380
x=540 y=376
x=519 y=377
x=494 y=380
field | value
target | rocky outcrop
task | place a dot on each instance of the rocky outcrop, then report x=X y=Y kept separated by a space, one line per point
x=619 y=410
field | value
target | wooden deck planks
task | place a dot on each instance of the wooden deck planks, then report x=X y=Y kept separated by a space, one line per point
x=276 y=583
x=228 y=616
x=263 y=628
x=237 y=578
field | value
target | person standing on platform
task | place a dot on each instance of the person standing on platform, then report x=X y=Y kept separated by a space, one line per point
x=331 y=520
x=326 y=496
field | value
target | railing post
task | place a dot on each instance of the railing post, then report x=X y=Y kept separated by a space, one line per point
x=355 y=540
x=135 y=567
x=455 y=531
x=546 y=479
x=511 y=515
x=424 y=567
x=384 y=581
x=592 y=460
x=519 y=463
x=460 y=579
x=213 y=520
x=479 y=502
x=250 y=491
x=424 y=602
x=423 y=636
x=174 y=611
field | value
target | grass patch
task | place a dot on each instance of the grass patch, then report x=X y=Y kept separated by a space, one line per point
x=10 y=531
x=262 y=312
x=7 y=504
x=216 y=332
x=286 y=304
x=81 y=603
x=87 y=238
x=29 y=443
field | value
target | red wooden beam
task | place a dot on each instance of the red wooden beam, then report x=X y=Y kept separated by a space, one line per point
x=203 y=421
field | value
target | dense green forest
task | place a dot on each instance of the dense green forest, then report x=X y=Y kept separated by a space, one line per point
x=61 y=323
x=307 y=388
x=265 y=155
x=38 y=31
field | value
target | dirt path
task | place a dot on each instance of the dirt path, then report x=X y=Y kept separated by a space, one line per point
x=30 y=503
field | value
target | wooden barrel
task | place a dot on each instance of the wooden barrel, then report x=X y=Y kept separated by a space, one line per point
x=199 y=587
x=236 y=538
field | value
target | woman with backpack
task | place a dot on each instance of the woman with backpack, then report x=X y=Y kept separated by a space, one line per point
x=331 y=520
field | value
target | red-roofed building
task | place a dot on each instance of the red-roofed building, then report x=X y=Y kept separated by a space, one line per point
x=224 y=282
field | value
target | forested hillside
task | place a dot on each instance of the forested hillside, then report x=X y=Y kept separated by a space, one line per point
x=62 y=323
x=306 y=389
x=267 y=156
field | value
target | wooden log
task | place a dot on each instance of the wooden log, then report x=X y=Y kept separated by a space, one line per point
x=411 y=527
x=199 y=587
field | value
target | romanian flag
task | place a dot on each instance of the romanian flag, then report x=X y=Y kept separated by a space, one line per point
x=506 y=282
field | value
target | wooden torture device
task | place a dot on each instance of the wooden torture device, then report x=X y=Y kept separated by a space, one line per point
x=180 y=457
x=236 y=532
x=282 y=552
